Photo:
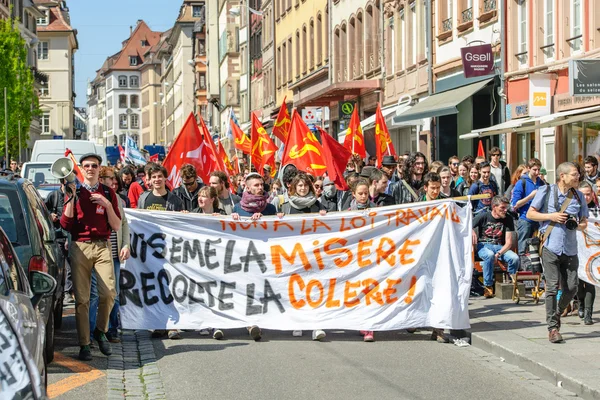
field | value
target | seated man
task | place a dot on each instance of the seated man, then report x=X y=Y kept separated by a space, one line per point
x=495 y=241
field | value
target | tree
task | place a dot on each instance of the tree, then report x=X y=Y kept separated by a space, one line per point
x=17 y=77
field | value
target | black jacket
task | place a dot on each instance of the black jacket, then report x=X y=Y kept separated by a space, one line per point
x=505 y=177
x=329 y=204
x=401 y=194
x=55 y=203
x=383 y=200
x=189 y=199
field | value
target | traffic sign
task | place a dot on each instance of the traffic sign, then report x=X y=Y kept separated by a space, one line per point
x=346 y=109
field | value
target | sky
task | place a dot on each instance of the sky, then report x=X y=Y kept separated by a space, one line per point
x=102 y=26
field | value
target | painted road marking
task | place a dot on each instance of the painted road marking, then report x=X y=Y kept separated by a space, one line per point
x=84 y=374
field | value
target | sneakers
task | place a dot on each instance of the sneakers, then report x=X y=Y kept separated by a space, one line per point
x=554 y=336
x=218 y=334
x=369 y=336
x=411 y=330
x=103 y=343
x=438 y=336
x=113 y=337
x=254 y=332
x=488 y=292
x=297 y=333
x=174 y=334
x=587 y=318
x=68 y=298
x=318 y=334
x=85 y=354
x=204 y=332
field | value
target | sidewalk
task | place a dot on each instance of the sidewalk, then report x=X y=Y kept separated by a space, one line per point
x=518 y=334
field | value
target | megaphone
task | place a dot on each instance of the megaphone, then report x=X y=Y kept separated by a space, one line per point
x=63 y=169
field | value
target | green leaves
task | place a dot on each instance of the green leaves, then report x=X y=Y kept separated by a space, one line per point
x=18 y=78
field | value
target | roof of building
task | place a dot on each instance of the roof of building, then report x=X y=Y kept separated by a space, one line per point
x=132 y=47
x=59 y=20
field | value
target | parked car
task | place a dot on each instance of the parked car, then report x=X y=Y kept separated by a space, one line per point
x=23 y=365
x=27 y=224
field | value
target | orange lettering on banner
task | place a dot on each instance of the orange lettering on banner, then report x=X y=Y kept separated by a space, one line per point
x=371 y=291
x=364 y=251
x=277 y=224
x=318 y=257
x=405 y=251
x=350 y=296
x=311 y=284
x=411 y=291
x=329 y=251
x=362 y=221
x=387 y=255
x=343 y=226
x=306 y=228
x=331 y=303
x=390 y=290
x=295 y=278
x=372 y=214
x=277 y=252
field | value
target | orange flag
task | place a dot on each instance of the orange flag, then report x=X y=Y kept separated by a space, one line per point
x=336 y=158
x=263 y=148
x=235 y=163
x=354 y=140
x=383 y=141
x=303 y=149
x=241 y=141
x=76 y=169
x=228 y=167
x=281 y=127
x=480 y=151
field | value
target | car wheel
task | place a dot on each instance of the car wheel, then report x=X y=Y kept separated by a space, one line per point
x=49 y=349
x=58 y=312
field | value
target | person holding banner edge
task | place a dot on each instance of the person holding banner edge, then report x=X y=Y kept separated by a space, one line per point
x=561 y=210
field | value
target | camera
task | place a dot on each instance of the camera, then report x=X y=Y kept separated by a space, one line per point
x=533 y=246
x=572 y=222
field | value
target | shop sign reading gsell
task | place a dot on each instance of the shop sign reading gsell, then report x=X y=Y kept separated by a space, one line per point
x=540 y=103
x=477 y=60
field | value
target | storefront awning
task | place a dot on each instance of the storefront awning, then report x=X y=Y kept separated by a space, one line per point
x=395 y=109
x=339 y=92
x=532 y=123
x=440 y=104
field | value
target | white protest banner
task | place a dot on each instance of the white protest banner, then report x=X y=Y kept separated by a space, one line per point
x=379 y=269
x=132 y=153
x=588 y=246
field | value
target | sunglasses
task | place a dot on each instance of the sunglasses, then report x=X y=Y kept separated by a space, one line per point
x=497 y=154
x=93 y=166
x=189 y=183
x=318 y=186
x=455 y=164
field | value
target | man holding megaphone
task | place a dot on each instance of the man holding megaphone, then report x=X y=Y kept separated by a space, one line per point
x=90 y=213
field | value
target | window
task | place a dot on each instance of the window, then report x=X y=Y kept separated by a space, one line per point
x=45 y=88
x=311 y=40
x=297 y=54
x=109 y=83
x=133 y=60
x=44 y=20
x=134 y=81
x=522 y=34
x=122 y=101
x=109 y=103
x=42 y=50
x=135 y=121
x=202 y=47
x=289 y=61
x=413 y=24
x=122 y=81
x=446 y=13
x=202 y=81
x=549 y=29
x=575 y=41
x=134 y=101
x=196 y=11
x=304 y=50
x=45 y=122
x=319 y=39
x=123 y=121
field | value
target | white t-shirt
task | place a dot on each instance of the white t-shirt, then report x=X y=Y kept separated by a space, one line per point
x=497 y=172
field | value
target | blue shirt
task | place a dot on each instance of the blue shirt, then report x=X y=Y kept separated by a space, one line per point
x=519 y=193
x=561 y=240
x=269 y=210
x=479 y=187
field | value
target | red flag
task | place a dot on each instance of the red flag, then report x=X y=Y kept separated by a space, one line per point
x=354 y=140
x=480 y=151
x=188 y=148
x=241 y=141
x=217 y=162
x=383 y=141
x=154 y=158
x=263 y=148
x=235 y=163
x=76 y=169
x=336 y=158
x=281 y=127
x=303 y=149
x=228 y=167
x=121 y=153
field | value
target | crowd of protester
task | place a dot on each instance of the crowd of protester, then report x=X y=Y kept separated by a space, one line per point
x=514 y=208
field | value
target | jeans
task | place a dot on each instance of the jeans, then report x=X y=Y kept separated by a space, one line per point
x=525 y=231
x=586 y=293
x=486 y=252
x=563 y=268
x=113 y=321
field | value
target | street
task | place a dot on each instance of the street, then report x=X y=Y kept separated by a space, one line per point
x=398 y=365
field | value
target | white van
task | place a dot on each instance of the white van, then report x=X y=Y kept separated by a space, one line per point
x=45 y=152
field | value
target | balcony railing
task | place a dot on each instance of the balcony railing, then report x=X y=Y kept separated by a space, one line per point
x=467 y=15
x=447 y=25
x=489 y=5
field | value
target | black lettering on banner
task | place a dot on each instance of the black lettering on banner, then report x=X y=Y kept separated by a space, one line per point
x=222 y=296
x=153 y=242
x=251 y=308
x=228 y=266
x=271 y=296
x=146 y=288
x=252 y=254
x=175 y=249
x=205 y=286
x=163 y=275
x=208 y=252
x=180 y=298
x=193 y=251
x=134 y=246
x=127 y=283
x=193 y=285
